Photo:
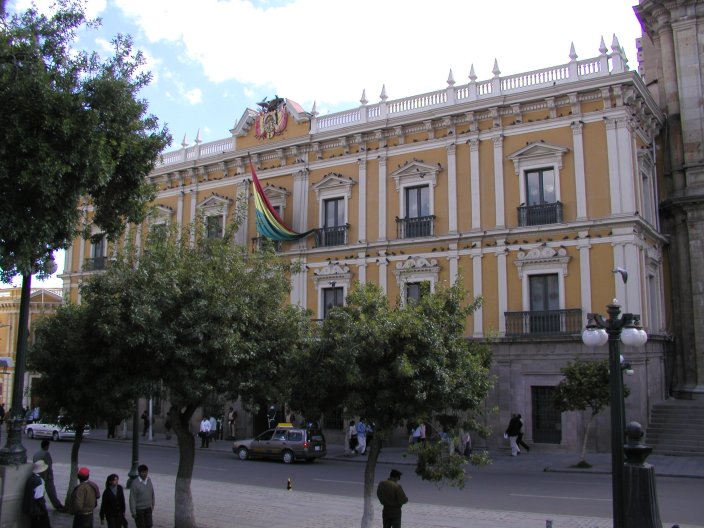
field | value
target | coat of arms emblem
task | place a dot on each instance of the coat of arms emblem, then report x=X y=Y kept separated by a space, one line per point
x=271 y=119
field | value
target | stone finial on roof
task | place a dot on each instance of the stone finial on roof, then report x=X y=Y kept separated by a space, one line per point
x=363 y=100
x=472 y=75
x=573 y=53
x=602 y=47
x=496 y=71
x=314 y=110
x=383 y=95
x=185 y=141
x=450 y=79
x=198 y=139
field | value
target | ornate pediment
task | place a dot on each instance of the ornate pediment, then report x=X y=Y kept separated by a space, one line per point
x=416 y=171
x=419 y=268
x=334 y=183
x=542 y=257
x=538 y=153
x=333 y=271
x=214 y=201
x=250 y=116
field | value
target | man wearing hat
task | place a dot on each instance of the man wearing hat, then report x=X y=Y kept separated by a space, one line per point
x=84 y=499
x=34 y=503
x=392 y=497
x=48 y=476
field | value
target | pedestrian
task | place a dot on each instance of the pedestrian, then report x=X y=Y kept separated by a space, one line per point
x=112 y=423
x=204 y=432
x=465 y=446
x=48 y=475
x=84 y=500
x=145 y=423
x=351 y=438
x=34 y=504
x=113 y=507
x=142 y=498
x=419 y=434
x=392 y=497
x=213 y=428
x=361 y=437
x=519 y=441
x=514 y=427
x=231 y=422
x=2 y=413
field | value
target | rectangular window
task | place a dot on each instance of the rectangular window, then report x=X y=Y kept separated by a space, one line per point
x=415 y=291
x=417 y=201
x=213 y=226
x=547 y=421
x=332 y=297
x=98 y=249
x=98 y=254
x=334 y=212
x=540 y=187
x=544 y=303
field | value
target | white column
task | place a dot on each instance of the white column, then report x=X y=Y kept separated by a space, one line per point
x=477 y=290
x=626 y=166
x=192 y=216
x=362 y=211
x=619 y=286
x=585 y=272
x=300 y=204
x=179 y=210
x=383 y=270
x=453 y=258
x=362 y=267
x=579 y=175
x=612 y=154
x=452 y=189
x=382 y=198
x=501 y=286
x=499 y=180
x=475 y=190
x=242 y=188
x=298 y=285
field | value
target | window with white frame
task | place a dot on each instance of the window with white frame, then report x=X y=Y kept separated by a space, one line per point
x=332 y=283
x=415 y=183
x=538 y=168
x=333 y=296
x=649 y=201
x=333 y=193
x=98 y=253
x=214 y=211
x=416 y=276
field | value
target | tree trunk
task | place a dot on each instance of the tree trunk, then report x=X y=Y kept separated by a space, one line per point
x=184 y=516
x=369 y=471
x=586 y=436
x=75 y=447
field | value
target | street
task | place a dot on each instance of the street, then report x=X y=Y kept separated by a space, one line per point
x=501 y=486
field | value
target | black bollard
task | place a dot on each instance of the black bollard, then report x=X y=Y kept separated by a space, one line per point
x=641 y=508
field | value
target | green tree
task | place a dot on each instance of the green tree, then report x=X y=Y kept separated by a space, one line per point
x=585 y=386
x=205 y=319
x=390 y=363
x=84 y=382
x=73 y=128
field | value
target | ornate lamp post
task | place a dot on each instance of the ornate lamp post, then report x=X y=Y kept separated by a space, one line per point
x=615 y=330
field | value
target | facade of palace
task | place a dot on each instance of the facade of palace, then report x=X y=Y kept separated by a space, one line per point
x=530 y=189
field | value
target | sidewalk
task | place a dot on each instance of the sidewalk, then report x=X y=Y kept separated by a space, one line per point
x=230 y=505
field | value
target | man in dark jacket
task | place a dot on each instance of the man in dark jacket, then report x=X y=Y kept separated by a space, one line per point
x=48 y=475
x=34 y=503
x=392 y=497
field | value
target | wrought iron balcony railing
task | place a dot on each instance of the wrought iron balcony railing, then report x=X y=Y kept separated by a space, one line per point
x=530 y=215
x=331 y=236
x=565 y=322
x=95 y=264
x=420 y=226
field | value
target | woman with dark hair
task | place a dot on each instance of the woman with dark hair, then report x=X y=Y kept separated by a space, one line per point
x=113 y=506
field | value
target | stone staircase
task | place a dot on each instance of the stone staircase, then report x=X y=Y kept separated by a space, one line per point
x=677 y=428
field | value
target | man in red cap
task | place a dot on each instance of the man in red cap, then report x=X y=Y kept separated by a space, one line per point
x=84 y=499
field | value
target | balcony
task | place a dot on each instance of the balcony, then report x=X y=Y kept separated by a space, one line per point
x=543 y=214
x=95 y=264
x=258 y=244
x=550 y=322
x=420 y=226
x=331 y=236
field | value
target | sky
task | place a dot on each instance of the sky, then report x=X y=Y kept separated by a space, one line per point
x=212 y=59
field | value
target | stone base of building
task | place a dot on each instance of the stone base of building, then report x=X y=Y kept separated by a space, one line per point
x=12 y=482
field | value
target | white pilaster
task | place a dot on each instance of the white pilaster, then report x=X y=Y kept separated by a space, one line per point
x=626 y=152
x=501 y=286
x=453 y=258
x=613 y=160
x=452 y=189
x=499 y=180
x=475 y=190
x=242 y=189
x=585 y=272
x=362 y=211
x=362 y=267
x=382 y=199
x=298 y=285
x=383 y=270
x=579 y=174
x=478 y=330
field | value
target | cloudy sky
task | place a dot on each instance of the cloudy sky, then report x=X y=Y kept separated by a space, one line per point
x=211 y=59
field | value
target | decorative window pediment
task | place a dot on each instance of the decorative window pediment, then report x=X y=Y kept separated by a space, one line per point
x=277 y=195
x=160 y=214
x=334 y=184
x=541 y=259
x=338 y=273
x=414 y=270
x=214 y=202
x=415 y=172
x=538 y=154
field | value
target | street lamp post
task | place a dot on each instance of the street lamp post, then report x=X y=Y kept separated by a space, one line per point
x=615 y=330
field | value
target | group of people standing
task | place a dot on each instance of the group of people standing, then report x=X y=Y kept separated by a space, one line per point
x=359 y=435
x=84 y=497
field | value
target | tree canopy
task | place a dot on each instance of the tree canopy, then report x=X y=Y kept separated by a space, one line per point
x=202 y=317
x=389 y=363
x=73 y=128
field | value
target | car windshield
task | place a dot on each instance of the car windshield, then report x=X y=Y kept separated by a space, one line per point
x=266 y=435
x=316 y=435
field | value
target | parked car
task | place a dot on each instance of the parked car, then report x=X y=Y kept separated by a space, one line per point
x=55 y=431
x=284 y=442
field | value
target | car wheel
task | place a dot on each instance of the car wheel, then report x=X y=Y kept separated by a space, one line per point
x=243 y=453
x=287 y=457
x=30 y=433
x=55 y=436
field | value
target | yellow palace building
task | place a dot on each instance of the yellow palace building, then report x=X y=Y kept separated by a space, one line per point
x=529 y=188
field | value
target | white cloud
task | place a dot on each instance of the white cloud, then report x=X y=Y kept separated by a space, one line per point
x=93 y=7
x=193 y=96
x=330 y=51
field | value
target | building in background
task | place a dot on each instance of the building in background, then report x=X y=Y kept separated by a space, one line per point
x=42 y=302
